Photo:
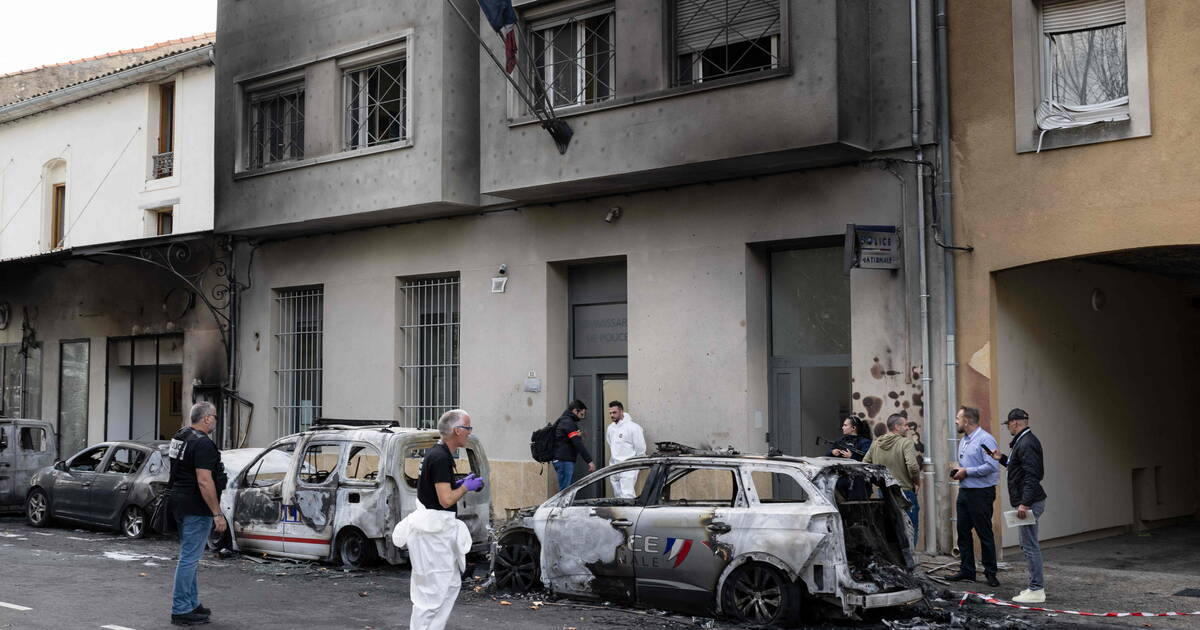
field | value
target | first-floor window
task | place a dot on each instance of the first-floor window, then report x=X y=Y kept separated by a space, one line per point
x=377 y=103
x=714 y=39
x=299 y=324
x=21 y=381
x=574 y=58
x=428 y=312
x=275 y=124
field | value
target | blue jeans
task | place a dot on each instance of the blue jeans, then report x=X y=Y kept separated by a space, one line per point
x=914 y=513
x=193 y=532
x=1031 y=548
x=566 y=472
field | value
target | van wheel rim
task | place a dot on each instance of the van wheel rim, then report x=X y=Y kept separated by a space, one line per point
x=758 y=595
x=133 y=522
x=516 y=567
x=37 y=507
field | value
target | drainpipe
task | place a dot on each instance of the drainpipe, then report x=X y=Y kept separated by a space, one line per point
x=927 y=472
x=947 y=228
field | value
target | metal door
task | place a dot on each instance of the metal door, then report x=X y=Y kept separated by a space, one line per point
x=72 y=493
x=8 y=447
x=308 y=524
x=110 y=489
x=679 y=558
x=258 y=511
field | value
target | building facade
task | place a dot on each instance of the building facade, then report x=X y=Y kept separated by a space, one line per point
x=415 y=240
x=1074 y=184
x=105 y=243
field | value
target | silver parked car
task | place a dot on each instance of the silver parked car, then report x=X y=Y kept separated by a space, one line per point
x=336 y=492
x=26 y=446
x=752 y=537
x=111 y=484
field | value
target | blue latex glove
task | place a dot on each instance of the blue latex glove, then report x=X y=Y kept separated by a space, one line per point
x=473 y=482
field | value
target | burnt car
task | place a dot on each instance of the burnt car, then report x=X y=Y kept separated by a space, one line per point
x=111 y=484
x=335 y=493
x=26 y=446
x=751 y=537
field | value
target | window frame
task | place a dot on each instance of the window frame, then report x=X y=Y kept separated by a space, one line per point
x=1030 y=53
x=781 y=51
x=345 y=466
x=364 y=61
x=417 y=373
x=21 y=432
x=641 y=500
x=112 y=456
x=104 y=450
x=332 y=476
x=58 y=216
x=245 y=474
x=279 y=390
x=741 y=500
x=28 y=399
x=252 y=93
x=576 y=16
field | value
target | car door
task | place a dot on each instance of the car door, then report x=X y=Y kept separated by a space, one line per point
x=7 y=448
x=258 y=506
x=72 y=492
x=112 y=484
x=679 y=556
x=308 y=524
x=588 y=545
x=31 y=449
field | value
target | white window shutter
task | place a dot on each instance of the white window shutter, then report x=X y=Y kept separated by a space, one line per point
x=1063 y=16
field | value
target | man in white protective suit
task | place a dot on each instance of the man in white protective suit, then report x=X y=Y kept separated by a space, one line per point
x=625 y=440
x=437 y=541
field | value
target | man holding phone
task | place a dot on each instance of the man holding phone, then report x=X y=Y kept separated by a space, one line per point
x=977 y=474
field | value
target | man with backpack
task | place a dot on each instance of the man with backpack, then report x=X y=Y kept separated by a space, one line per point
x=568 y=443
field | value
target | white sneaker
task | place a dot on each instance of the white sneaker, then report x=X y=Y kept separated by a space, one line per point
x=1028 y=596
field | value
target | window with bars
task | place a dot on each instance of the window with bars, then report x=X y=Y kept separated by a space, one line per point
x=428 y=310
x=275 y=124
x=377 y=104
x=574 y=58
x=299 y=325
x=714 y=39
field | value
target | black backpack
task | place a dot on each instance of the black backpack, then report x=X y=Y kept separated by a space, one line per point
x=541 y=443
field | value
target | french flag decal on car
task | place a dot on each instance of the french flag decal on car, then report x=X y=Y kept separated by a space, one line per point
x=677 y=549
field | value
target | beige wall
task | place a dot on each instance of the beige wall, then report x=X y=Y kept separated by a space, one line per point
x=696 y=309
x=1016 y=209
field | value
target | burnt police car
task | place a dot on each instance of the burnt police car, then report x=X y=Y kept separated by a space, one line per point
x=751 y=537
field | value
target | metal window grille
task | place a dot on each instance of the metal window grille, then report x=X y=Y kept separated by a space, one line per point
x=429 y=312
x=276 y=125
x=164 y=164
x=574 y=59
x=721 y=38
x=299 y=329
x=377 y=104
x=20 y=381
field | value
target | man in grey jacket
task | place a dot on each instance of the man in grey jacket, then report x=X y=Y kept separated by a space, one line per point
x=1025 y=470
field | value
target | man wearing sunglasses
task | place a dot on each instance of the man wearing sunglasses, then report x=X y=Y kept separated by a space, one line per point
x=437 y=541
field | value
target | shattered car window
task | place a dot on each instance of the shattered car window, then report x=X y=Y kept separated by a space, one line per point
x=465 y=462
x=776 y=486
x=362 y=464
x=124 y=461
x=320 y=460
x=33 y=439
x=271 y=467
x=600 y=493
x=710 y=487
x=88 y=461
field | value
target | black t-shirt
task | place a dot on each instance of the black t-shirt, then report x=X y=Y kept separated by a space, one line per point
x=437 y=467
x=189 y=451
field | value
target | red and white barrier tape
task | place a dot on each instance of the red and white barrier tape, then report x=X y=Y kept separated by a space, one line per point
x=992 y=600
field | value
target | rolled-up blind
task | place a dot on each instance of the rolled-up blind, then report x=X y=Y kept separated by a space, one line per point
x=1062 y=16
x=701 y=24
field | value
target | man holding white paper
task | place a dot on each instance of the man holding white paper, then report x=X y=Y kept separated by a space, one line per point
x=1025 y=470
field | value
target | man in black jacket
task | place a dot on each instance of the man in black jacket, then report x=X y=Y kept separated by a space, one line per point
x=1025 y=469
x=568 y=443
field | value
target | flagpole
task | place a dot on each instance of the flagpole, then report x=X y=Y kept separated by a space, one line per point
x=558 y=129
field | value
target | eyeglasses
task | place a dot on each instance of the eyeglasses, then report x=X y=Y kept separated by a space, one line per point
x=463 y=426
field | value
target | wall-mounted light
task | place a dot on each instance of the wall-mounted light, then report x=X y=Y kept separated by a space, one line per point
x=1098 y=300
x=614 y=213
x=500 y=281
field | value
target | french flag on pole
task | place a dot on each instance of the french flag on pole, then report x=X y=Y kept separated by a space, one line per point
x=503 y=18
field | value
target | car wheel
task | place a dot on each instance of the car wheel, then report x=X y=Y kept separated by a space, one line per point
x=133 y=522
x=517 y=563
x=354 y=549
x=37 y=508
x=759 y=594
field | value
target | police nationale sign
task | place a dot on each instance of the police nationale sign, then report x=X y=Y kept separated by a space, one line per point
x=872 y=247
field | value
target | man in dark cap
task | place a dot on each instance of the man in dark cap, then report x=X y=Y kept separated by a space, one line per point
x=1025 y=470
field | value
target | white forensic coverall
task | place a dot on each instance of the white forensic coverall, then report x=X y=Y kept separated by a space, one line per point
x=625 y=440
x=437 y=547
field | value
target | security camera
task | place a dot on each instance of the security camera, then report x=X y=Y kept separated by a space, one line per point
x=614 y=213
x=502 y=270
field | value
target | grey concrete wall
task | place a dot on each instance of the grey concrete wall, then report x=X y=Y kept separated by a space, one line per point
x=697 y=308
x=1102 y=389
x=334 y=188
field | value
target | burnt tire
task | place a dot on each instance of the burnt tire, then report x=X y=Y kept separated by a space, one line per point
x=517 y=564
x=354 y=551
x=37 y=508
x=759 y=594
x=133 y=523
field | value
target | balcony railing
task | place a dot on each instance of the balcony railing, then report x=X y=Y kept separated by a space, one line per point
x=164 y=164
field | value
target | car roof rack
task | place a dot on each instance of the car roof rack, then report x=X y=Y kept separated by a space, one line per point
x=352 y=423
x=675 y=448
